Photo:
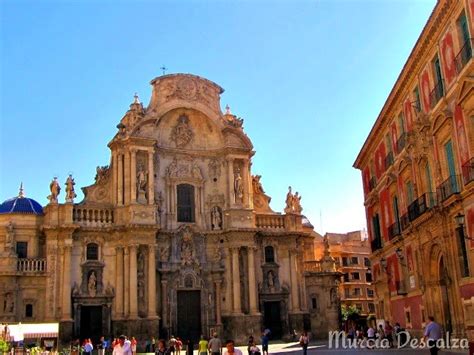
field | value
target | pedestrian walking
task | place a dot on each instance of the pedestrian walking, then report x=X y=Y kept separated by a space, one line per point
x=202 y=346
x=388 y=330
x=133 y=343
x=172 y=344
x=432 y=334
x=179 y=345
x=162 y=349
x=230 y=349
x=215 y=345
x=123 y=346
x=264 y=341
x=101 y=345
x=304 y=342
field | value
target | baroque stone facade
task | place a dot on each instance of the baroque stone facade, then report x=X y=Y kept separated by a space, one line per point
x=175 y=235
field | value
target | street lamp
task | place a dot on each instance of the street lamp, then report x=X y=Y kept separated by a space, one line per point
x=459 y=218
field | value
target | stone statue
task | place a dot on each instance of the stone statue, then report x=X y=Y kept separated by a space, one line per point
x=102 y=174
x=182 y=132
x=218 y=255
x=238 y=188
x=55 y=190
x=216 y=218
x=164 y=254
x=289 y=201
x=172 y=169
x=333 y=296
x=257 y=185
x=196 y=172
x=141 y=179
x=271 y=282
x=187 y=250
x=8 y=303
x=92 y=284
x=70 y=194
x=10 y=236
x=297 y=203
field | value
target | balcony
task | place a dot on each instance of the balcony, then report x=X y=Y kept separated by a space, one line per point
x=93 y=217
x=312 y=266
x=468 y=171
x=376 y=244
x=464 y=55
x=404 y=222
x=420 y=205
x=270 y=221
x=401 y=142
x=448 y=188
x=388 y=160
x=31 y=265
x=400 y=286
x=436 y=94
x=394 y=231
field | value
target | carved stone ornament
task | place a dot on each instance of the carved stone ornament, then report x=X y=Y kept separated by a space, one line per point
x=188 y=257
x=185 y=169
x=102 y=174
x=182 y=132
x=214 y=168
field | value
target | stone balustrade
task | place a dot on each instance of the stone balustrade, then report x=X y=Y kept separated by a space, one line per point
x=312 y=266
x=270 y=221
x=93 y=217
x=31 y=265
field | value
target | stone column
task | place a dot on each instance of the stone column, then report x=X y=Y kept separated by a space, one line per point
x=120 y=200
x=126 y=276
x=126 y=178
x=66 y=297
x=114 y=176
x=164 y=303
x=119 y=277
x=151 y=282
x=252 y=288
x=218 y=302
x=237 y=309
x=151 y=179
x=228 y=281
x=133 y=282
x=230 y=180
x=294 y=283
x=133 y=175
x=245 y=182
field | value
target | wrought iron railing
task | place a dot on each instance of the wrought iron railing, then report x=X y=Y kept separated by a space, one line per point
x=468 y=171
x=464 y=55
x=376 y=244
x=437 y=93
x=448 y=188
x=404 y=221
x=394 y=230
x=388 y=160
x=401 y=142
x=420 y=205
x=31 y=265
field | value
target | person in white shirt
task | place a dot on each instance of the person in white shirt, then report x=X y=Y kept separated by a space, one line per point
x=370 y=337
x=123 y=347
x=230 y=349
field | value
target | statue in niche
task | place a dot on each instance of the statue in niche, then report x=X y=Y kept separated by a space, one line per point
x=238 y=188
x=141 y=184
x=182 y=132
x=164 y=254
x=141 y=264
x=70 y=194
x=172 y=169
x=75 y=289
x=196 y=172
x=216 y=218
x=92 y=284
x=55 y=190
x=8 y=303
x=187 y=250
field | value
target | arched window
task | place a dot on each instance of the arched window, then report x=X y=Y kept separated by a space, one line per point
x=185 y=199
x=92 y=251
x=269 y=254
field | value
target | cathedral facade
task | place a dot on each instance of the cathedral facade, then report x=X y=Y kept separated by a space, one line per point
x=174 y=237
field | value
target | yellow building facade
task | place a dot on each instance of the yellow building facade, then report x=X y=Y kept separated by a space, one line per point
x=418 y=175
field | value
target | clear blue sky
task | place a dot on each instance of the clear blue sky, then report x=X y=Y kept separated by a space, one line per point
x=308 y=77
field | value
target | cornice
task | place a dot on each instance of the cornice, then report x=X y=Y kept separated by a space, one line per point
x=429 y=36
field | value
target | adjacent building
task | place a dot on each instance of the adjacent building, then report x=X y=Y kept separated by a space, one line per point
x=418 y=176
x=175 y=236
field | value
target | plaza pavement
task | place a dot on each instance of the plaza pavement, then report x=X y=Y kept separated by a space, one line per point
x=321 y=348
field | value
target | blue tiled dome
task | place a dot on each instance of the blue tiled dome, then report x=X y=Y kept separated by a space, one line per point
x=21 y=205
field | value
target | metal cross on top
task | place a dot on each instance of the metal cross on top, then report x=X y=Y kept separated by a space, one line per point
x=164 y=69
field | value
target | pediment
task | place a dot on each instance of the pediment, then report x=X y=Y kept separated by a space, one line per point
x=465 y=89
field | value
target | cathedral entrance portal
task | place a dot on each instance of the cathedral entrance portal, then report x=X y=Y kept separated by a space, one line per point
x=189 y=315
x=272 y=318
x=91 y=323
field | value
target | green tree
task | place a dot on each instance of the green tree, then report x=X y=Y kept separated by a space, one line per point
x=349 y=312
x=4 y=347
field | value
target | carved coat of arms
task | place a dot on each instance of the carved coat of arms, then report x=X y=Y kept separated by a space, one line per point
x=182 y=132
